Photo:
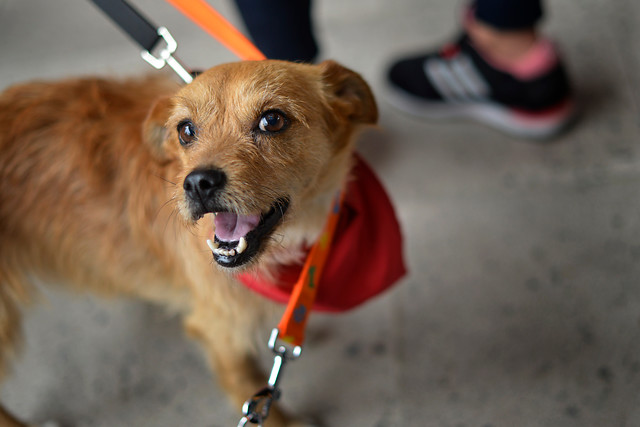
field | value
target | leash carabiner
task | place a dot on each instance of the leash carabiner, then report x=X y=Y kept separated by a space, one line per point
x=166 y=56
x=256 y=409
x=143 y=32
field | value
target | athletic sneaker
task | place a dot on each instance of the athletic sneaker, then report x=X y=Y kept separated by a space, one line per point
x=530 y=99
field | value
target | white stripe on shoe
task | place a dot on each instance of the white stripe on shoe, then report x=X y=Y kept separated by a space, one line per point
x=456 y=79
x=470 y=77
x=445 y=81
x=437 y=74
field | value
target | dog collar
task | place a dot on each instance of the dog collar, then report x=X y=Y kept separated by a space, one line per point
x=366 y=253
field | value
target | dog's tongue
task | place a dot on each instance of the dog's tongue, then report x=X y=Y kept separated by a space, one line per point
x=231 y=227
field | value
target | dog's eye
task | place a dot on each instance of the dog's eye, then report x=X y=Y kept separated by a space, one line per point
x=272 y=122
x=186 y=132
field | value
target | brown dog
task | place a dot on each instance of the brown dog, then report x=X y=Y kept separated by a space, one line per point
x=112 y=186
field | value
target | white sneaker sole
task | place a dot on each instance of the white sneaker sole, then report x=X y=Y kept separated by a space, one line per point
x=520 y=124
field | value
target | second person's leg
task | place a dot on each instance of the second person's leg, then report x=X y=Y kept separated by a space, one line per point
x=281 y=29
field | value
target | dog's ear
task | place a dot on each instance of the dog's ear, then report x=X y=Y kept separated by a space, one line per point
x=154 y=131
x=351 y=95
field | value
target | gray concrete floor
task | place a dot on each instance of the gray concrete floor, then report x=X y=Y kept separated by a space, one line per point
x=522 y=306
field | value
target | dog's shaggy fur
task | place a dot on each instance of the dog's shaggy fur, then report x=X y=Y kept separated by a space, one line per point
x=97 y=191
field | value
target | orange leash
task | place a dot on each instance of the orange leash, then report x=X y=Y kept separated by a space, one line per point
x=292 y=325
x=219 y=28
x=294 y=320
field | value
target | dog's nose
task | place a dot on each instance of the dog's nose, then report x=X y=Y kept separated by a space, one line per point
x=200 y=185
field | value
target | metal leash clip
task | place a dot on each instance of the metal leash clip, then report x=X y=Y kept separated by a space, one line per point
x=256 y=409
x=165 y=56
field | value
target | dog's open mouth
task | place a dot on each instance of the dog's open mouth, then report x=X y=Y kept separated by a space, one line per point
x=239 y=238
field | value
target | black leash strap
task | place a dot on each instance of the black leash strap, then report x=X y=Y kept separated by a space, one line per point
x=147 y=35
x=131 y=21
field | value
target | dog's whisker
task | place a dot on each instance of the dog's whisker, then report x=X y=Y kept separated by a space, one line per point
x=169 y=218
x=279 y=239
x=173 y=212
x=165 y=180
x=164 y=205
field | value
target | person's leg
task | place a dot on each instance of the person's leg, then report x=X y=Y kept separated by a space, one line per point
x=505 y=29
x=508 y=14
x=281 y=29
x=499 y=72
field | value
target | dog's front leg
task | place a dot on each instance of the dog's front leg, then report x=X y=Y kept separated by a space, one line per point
x=227 y=336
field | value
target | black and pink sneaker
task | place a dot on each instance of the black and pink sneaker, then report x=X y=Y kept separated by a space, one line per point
x=531 y=99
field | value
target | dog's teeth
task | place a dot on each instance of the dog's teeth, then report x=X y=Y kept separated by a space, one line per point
x=224 y=252
x=212 y=245
x=242 y=245
x=216 y=249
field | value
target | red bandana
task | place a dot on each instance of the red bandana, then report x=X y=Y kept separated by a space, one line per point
x=366 y=253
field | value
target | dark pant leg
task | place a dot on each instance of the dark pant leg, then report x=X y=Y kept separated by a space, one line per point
x=509 y=14
x=281 y=29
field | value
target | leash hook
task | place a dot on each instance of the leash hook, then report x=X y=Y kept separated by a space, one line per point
x=256 y=409
x=165 y=56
